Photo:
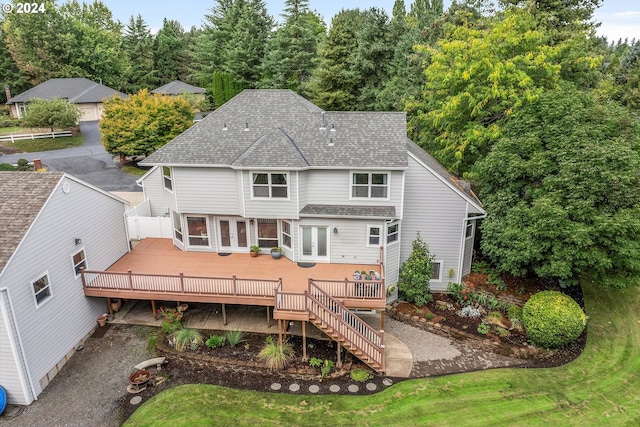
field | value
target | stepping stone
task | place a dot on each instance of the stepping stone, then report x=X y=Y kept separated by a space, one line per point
x=334 y=388
x=314 y=388
x=387 y=382
x=276 y=386
x=353 y=388
x=294 y=387
x=371 y=386
x=135 y=400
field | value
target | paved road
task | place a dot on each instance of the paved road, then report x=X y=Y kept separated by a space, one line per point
x=89 y=162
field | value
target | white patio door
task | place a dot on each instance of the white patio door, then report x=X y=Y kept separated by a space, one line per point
x=315 y=243
x=232 y=235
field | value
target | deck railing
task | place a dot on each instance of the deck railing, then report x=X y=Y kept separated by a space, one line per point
x=344 y=322
x=290 y=301
x=224 y=286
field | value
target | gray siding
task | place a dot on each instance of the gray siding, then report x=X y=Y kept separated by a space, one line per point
x=270 y=208
x=9 y=367
x=392 y=263
x=207 y=190
x=52 y=330
x=437 y=212
x=332 y=187
x=303 y=193
x=154 y=192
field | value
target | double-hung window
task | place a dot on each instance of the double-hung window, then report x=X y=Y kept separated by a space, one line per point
x=79 y=261
x=469 y=230
x=177 y=226
x=286 y=234
x=373 y=235
x=369 y=185
x=167 y=178
x=393 y=233
x=41 y=289
x=270 y=185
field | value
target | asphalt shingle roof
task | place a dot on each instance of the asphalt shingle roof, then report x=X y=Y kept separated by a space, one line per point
x=242 y=131
x=177 y=87
x=349 y=211
x=22 y=196
x=76 y=90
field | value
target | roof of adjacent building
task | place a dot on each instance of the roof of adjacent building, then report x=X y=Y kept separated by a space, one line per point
x=279 y=128
x=177 y=87
x=349 y=211
x=22 y=196
x=75 y=90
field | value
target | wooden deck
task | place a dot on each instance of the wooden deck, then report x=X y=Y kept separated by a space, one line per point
x=153 y=269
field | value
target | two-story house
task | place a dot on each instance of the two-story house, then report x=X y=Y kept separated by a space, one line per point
x=269 y=168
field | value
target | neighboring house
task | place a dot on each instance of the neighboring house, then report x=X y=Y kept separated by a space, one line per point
x=177 y=87
x=87 y=94
x=270 y=168
x=53 y=225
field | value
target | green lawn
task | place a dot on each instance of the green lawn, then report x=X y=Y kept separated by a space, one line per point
x=46 y=144
x=10 y=130
x=601 y=387
x=133 y=170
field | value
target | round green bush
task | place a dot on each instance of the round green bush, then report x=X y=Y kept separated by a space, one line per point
x=552 y=319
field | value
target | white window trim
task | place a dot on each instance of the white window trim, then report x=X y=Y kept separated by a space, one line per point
x=173 y=216
x=352 y=172
x=470 y=224
x=73 y=265
x=386 y=234
x=186 y=223
x=165 y=177
x=49 y=298
x=255 y=228
x=380 y=242
x=269 y=185
x=441 y=271
x=282 y=233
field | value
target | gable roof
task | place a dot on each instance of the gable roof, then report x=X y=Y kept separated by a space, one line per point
x=76 y=90
x=29 y=191
x=177 y=87
x=244 y=132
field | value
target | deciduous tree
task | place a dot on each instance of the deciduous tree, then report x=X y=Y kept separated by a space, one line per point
x=51 y=113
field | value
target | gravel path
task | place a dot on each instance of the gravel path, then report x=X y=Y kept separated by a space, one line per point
x=87 y=390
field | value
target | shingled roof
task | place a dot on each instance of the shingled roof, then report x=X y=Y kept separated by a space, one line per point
x=278 y=128
x=75 y=90
x=177 y=87
x=22 y=196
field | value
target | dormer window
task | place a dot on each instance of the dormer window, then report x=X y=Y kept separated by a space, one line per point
x=369 y=185
x=270 y=185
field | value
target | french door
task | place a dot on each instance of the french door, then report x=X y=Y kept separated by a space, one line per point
x=232 y=235
x=314 y=243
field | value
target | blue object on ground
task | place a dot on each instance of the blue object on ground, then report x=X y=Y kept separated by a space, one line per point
x=3 y=399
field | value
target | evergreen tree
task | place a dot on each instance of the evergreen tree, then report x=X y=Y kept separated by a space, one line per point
x=10 y=74
x=291 y=53
x=169 y=52
x=138 y=45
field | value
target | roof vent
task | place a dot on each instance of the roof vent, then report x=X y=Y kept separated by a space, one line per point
x=331 y=144
x=322 y=124
x=246 y=127
x=333 y=128
x=225 y=127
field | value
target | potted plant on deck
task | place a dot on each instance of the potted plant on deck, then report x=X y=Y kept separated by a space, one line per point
x=254 y=251
x=276 y=252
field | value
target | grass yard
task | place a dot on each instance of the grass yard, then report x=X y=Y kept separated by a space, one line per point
x=45 y=144
x=134 y=170
x=601 y=387
x=10 y=130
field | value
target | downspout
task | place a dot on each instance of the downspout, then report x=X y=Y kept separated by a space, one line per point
x=22 y=360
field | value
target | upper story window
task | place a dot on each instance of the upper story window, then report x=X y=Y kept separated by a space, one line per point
x=370 y=185
x=41 y=289
x=168 y=179
x=270 y=185
x=393 y=233
x=79 y=260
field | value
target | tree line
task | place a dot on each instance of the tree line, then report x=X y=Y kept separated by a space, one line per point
x=518 y=96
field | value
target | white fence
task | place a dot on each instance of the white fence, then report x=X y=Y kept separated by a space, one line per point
x=13 y=138
x=141 y=224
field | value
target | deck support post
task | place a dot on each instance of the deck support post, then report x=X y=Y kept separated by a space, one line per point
x=339 y=363
x=382 y=320
x=280 y=332
x=109 y=305
x=268 y=318
x=224 y=314
x=153 y=308
x=304 y=340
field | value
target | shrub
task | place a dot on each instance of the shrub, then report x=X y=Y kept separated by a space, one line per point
x=360 y=375
x=315 y=362
x=429 y=316
x=415 y=274
x=483 y=328
x=514 y=313
x=234 y=337
x=187 y=338
x=553 y=319
x=170 y=327
x=274 y=355
x=326 y=367
x=215 y=341
x=7 y=167
x=23 y=165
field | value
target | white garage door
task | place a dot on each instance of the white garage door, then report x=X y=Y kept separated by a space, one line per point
x=89 y=112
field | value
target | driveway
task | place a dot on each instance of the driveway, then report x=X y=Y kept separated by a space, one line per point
x=89 y=162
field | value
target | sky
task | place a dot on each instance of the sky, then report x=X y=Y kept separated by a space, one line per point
x=619 y=18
